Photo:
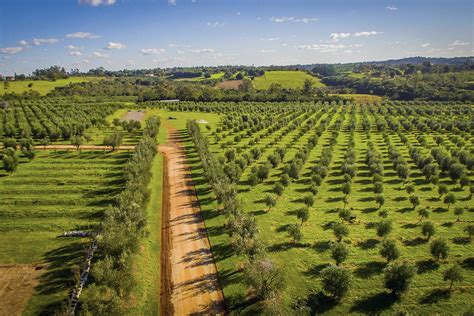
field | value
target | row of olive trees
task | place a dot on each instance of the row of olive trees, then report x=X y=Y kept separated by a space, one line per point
x=123 y=226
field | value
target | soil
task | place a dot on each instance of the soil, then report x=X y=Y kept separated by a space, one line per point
x=230 y=84
x=189 y=276
x=133 y=116
x=17 y=283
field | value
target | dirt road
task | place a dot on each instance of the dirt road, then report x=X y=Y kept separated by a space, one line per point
x=189 y=276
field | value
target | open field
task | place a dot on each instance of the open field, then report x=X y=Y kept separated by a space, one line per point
x=288 y=79
x=43 y=86
x=54 y=193
x=303 y=261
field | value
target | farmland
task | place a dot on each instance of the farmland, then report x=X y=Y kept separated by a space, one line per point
x=42 y=86
x=337 y=130
x=288 y=79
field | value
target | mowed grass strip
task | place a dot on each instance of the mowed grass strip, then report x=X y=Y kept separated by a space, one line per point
x=288 y=79
x=55 y=192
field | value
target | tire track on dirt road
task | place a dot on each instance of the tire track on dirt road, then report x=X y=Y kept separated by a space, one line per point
x=189 y=276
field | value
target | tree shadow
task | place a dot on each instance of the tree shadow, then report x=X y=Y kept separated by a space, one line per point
x=320 y=303
x=414 y=242
x=370 y=243
x=435 y=296
x=425 y=266
x=315 y=271
x=410 y=226
x=468 y=263
x=369 y=269
x=374 y=304
x=322 y=245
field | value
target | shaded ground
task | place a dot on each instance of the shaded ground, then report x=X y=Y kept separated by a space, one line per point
x=16 y=287
x=192 y=283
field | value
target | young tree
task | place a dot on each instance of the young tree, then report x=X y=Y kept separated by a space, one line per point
x=340 y=231
x=313 y=189
x=308 y=200
x=398 y=277
x=414 y=200
x=339 y=253
x=345 y=214
x=10 y=160
x=380 y=200
x=114 y=140
x=410 y=189
x=464 y=181
x=270 y=201
x=423 y=213
x=346 y=188
x=442 y=190
x=384 y=227
x=389 y=250
x=77 y=141
x=308 y=87
x=45 y=142
x=378 y=187
x=264 y=277
x=458 y=211
x=294 y=231
x=427 y=230
x=383 y=213
x=336 y=281
x=449 y=199
x=278 y=188
x=253 y=179
x=453 y=274
x=303 y=214
x=439 y=249
x=469 y=229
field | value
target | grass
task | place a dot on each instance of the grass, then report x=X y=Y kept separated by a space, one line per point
x=303 y=262
x=146 y=295
x=54 y=193
x=288 y=79
x=43 y=86
x=361 y=98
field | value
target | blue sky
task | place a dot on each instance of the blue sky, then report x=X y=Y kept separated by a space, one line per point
x=118 y=34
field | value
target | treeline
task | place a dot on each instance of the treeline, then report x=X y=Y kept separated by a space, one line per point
x=431 y=86
x=151 y=89
x=121 y=230
x=262 y=275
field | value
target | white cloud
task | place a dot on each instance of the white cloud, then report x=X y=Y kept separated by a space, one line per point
x=113 y=45
x=215 y=24
x=425 y=44
x=337 y=36
x=325 y=48
x=434 y=50
x=41 y=41
x=203 y=50
x=83 y=35
x=72 y=47
x=152 y=51
x=284 y=44
x=391 y=8
x=96 y=3
x=271 y=39
x=172 y=2
x=23 y=43
x=267 y=51
x=292 y=19
x=459 y=43
x=99 y=55
x=75 y=53
x=181 y=52
x=11 y=50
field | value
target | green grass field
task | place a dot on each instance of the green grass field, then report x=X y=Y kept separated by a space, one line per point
x=43 y=86
x=288 y=79
x=53 y=193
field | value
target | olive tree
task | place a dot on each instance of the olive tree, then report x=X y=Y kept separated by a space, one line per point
x=439 y=249
x=389 y=250
x=453 y=274
x=398 y=277
x=336 y=281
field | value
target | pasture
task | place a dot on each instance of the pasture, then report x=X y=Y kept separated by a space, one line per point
x=43 y=87
x=287 y=79
x=303 y=260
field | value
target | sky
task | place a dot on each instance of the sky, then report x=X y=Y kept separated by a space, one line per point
x=136 y=34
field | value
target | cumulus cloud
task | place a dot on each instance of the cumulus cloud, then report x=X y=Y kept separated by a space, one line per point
x=41 y=41
x=337 y=36
x=173 y=2
x=86 y=35
x=391 y=8
x=99 y=55
x=271 y=39
x=152 y=51
x=23 y=43
x=425 y=44
x=11 y=50
x=72 y=47
x=96 y=3
x=215 y=24
x=203 y=51
x=459 y=43
x=113 y=45
x=284 y=19
x=326 y=48
x=75 y=53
